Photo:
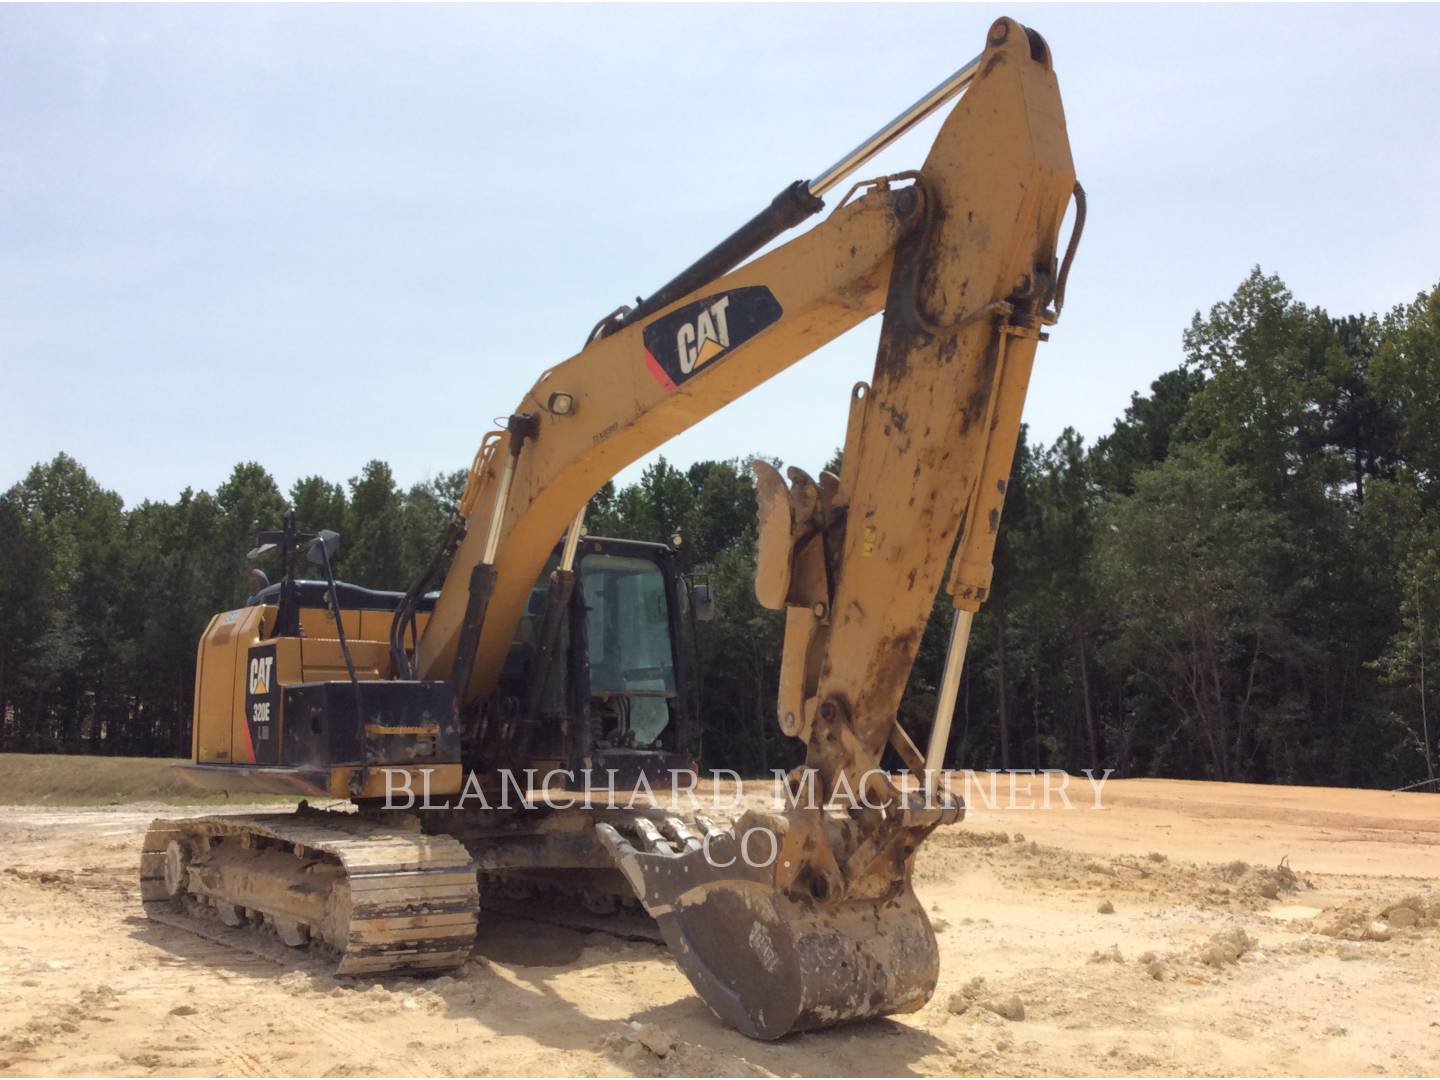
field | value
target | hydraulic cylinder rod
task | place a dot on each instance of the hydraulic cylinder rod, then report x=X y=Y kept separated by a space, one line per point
x=798 y=201
x=572 y=540
x=917 y=112
x=945 y=701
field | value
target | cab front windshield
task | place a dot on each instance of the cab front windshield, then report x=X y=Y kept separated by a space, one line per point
x=628 y=626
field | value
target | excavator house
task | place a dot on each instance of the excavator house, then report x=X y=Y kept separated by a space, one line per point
x=527 y=644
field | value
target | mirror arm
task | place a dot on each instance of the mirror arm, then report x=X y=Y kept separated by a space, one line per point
x=340 y=626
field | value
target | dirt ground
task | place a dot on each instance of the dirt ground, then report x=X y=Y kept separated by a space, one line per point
x=1158 y=935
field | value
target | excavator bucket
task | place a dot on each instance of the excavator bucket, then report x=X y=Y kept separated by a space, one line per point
x=770 y=959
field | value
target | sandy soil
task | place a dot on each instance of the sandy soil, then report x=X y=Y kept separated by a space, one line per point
x=1212 y=960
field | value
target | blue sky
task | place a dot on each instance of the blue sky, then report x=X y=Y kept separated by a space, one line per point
x=312 y=236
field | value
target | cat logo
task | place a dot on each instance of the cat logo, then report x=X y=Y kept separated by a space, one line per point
x=260 y=668
x=262 y=708
x=685 y=341
x=704 y=339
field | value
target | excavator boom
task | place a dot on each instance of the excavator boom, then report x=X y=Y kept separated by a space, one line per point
x=629 y=391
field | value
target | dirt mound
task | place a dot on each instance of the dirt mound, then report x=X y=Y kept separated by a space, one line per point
x=1234 y=886
x=977 y=999
x=1227 y=947
x=1367 y=921
x=1264 y=882
x=961 y=837
x=648 y=1049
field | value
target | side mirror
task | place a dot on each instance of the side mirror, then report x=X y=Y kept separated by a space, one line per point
x=323 y=548
x=704 y=601
x=266 y=542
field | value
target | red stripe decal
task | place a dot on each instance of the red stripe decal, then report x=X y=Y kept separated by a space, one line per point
x=659 y=372
x=249 y=743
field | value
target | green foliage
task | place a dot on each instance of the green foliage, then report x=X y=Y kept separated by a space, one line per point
x=1406 y=375
x=318 y=504
x=1189 y=564
x=1143 y=436
x=738 y=670
x=1408 y=664
x=101 y=608
x=374 y=544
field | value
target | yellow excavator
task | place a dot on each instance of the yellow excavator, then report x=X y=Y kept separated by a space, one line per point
x=549 y=653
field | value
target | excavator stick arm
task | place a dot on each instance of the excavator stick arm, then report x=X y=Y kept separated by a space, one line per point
x=966 y=307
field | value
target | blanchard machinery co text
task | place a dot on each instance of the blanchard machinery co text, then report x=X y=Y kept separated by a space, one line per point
x=724 y=789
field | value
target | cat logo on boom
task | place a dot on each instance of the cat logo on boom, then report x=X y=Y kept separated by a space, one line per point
x=704 y=339
x=682 y=343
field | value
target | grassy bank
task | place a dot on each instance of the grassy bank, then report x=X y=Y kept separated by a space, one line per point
x=78 y=780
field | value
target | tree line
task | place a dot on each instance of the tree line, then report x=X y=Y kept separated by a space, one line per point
x=101 y=608
x=1240 y=581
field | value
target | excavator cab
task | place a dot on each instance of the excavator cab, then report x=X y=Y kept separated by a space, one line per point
x=616 y=697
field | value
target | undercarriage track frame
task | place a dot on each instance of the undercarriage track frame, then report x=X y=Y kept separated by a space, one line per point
x=377 y=894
